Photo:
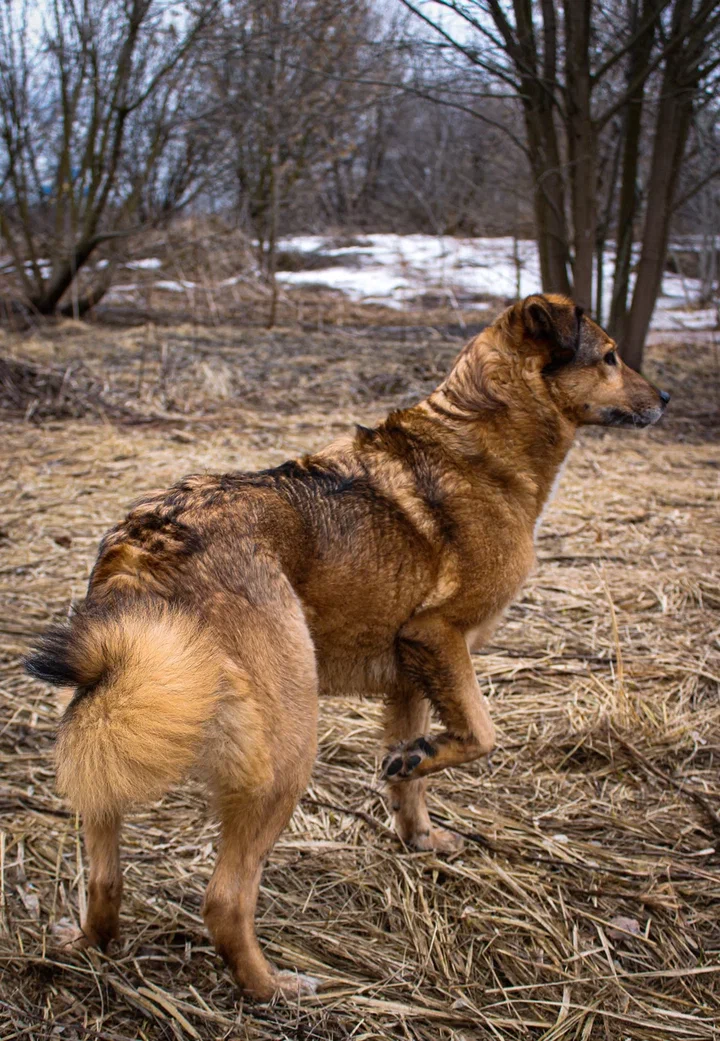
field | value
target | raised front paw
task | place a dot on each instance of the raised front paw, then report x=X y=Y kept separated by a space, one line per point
x=402 y=762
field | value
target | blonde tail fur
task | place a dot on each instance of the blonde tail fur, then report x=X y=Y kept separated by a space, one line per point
x=148 y=679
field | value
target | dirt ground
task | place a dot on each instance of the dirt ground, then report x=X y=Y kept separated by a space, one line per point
x=586 y=903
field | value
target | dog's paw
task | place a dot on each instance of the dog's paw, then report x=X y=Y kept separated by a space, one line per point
x=294 y=984
x=402 y=761
x=438 y=839
x=68 y=937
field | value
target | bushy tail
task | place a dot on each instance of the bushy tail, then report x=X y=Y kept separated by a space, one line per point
x=148 y=678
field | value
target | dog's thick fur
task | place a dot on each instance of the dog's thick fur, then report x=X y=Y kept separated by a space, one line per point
x=219 y=609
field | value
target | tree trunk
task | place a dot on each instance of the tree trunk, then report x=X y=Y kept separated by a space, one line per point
x=602 y=228
x=673 y=125
x=671 y=133
x=47 y=301
x=537 y=87
x=549 y=199
x=629 y=195
x=581 y=146
x=79 y=308
x=272 y=241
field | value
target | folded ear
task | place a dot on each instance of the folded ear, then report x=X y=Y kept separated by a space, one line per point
x=555 y=323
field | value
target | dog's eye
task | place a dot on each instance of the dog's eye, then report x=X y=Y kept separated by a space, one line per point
x=610 y=358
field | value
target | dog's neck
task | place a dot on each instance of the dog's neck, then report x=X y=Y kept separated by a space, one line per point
x=522 y=435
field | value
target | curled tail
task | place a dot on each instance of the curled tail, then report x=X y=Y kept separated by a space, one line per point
x=148 y=678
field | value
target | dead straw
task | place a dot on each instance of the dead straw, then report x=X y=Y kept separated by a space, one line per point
x=585 y=904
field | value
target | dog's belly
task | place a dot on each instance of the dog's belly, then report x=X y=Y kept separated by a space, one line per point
x=353 y=673
x=354 y=634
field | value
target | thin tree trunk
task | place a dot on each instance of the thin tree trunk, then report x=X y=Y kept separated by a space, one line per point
x=629 y=194
x=80 y=306
x=549 y=200
x=602 y=228
x=537 y=93
x=581 y=145
x=272 y=240
x=274 y=192
x=673 y=125
x=671 y=133
x=46 y=302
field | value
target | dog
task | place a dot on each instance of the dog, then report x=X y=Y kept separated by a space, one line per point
x=219 y=610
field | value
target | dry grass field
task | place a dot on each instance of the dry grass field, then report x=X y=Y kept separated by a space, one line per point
x=586 y=903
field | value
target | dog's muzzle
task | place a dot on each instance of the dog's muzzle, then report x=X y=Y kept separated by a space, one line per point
x=620 y=417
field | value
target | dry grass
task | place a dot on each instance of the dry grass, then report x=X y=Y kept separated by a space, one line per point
x=587 y=902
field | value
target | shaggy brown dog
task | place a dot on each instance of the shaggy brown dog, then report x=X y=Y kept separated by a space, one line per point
x=218 y=610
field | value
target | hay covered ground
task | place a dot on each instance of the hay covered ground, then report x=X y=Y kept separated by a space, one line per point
x=586 y=903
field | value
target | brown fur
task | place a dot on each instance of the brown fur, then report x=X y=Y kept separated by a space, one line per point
x=218 y=610
x=154 y=674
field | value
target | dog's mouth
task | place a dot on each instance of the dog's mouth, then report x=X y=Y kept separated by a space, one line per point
x=621 y=417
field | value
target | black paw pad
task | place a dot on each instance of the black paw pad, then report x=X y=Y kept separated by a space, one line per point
x=404 y=759
x=391 y=766
x=423 y=745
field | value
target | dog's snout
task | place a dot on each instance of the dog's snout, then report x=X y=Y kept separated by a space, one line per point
x=664 y=396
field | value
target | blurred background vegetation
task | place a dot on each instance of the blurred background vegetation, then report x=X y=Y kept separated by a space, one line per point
x=590 y=126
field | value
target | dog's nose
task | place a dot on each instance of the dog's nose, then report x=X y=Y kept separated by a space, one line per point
x=664 y=397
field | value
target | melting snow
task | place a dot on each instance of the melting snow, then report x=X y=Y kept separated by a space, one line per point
x=174 y=287
x=146 y=264
x=395 y=269
x=120 y=290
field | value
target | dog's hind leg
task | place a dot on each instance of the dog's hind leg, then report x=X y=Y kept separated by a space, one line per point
x=260 y=754
x=102 y=842
x=250 y=827
x=407 y=714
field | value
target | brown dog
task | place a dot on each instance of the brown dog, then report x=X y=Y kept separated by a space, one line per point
x=218 y=610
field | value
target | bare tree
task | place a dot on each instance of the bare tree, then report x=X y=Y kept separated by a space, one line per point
x=690 y=59
x=94 y=138
x=703 y=204
x=643 y=27
x=288 y=76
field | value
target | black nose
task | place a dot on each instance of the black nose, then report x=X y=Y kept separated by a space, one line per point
x=664 y=397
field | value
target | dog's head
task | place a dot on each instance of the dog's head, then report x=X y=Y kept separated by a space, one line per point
x=580 y=365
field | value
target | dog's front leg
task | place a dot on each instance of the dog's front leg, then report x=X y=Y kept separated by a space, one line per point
x=433 y=659
x=407 y=714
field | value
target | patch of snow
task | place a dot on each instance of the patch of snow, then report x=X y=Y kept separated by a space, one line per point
x=670 y=318
x=376 y=281
x=146 y=264
x=174 y=287
x=394 y=269
x=121 y=290
x=44 y=267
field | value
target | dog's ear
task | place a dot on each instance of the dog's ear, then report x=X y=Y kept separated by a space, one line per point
x=554 y=323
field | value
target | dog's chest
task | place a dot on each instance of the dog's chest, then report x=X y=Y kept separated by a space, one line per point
x=474 y=593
